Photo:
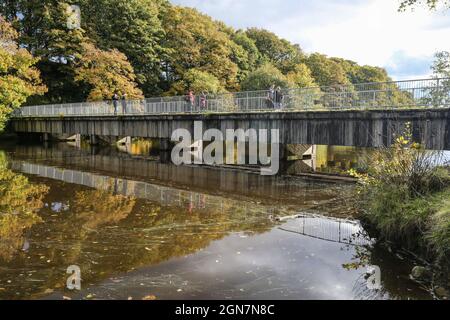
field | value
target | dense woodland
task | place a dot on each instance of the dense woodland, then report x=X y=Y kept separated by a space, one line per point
x=150 y=47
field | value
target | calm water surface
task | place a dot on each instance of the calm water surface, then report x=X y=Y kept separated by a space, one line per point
x=138 y=227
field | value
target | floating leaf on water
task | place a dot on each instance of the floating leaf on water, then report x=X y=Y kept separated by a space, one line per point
x=48 y=291
x=149 y=297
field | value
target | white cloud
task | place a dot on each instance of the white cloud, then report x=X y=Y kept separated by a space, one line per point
x=369 y=32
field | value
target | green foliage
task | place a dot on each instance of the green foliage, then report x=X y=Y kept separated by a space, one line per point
x=264 y=77
x=438 y=235
x=245 y=54
x=43 y=31
x=195 y=41
x=402 y=195
x=198 y=81
x=441 y=65
x=19 y=79
x=106 y=72
x=280 y=52
x=165 y=45
x=326 y=71
x=131 y=26
x=362 y=74
x=301 y=76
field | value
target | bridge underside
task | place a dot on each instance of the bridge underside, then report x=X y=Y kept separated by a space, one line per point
x=346 y=128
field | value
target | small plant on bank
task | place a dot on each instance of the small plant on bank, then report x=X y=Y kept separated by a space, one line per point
x=404 y=195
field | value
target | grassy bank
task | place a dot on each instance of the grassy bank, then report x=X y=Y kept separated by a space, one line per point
x=404 y=196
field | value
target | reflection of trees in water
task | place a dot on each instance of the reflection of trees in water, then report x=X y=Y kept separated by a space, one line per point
x=105 y=233
x=99 y=207
x=19 y=204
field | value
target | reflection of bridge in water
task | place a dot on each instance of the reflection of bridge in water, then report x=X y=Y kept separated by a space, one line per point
x=165 y=196
x=345 y=231
x=330 y=229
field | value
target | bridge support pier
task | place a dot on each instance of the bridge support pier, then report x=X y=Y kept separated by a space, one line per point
x=164 y=148
x=93 y=140
x=165 y=144
x=125 y=141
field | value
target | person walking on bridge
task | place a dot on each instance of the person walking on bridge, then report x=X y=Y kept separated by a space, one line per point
x=279 y=98
x=190 y=99
x=115 y=101
x=203 y=101
x=124 y=103
x=271 y=97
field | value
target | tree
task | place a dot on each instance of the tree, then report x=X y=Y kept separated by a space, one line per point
x=432 y=4
x=195 y=41
x=280 y=52
x=133 y=27
x=439 y=95
x=198 y=81
x=245 y=54
x=264 y=77
x=441 y=65
x=325 y=71
x=362 y=74
x=301 y=76
x=106 y=72
x=19 y=79
x=43 y=31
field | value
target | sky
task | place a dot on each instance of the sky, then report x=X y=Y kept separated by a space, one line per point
x=369 y=32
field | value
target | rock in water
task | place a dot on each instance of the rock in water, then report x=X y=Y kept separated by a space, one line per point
x=419 y=273
x=442 y=293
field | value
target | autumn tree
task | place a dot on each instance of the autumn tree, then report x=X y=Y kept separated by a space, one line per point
x=362 y=74
x=134 y=28
x=106 y=72
x=264 y=77
x=280 y=52
x=195 y=41
x=42 y=30
x=325 y=71
x=198 y=81
x=19 y=78
x=301 y=76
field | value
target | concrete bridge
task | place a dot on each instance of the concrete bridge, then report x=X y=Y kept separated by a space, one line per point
x=363 y=115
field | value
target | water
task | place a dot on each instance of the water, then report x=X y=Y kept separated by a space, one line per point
x=141 y=228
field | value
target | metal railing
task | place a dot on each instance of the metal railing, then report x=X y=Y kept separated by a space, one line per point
x=426 y=93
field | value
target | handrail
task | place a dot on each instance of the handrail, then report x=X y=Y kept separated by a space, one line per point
x=429 y=93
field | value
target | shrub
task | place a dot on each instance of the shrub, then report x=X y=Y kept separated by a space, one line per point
x=404 y=195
